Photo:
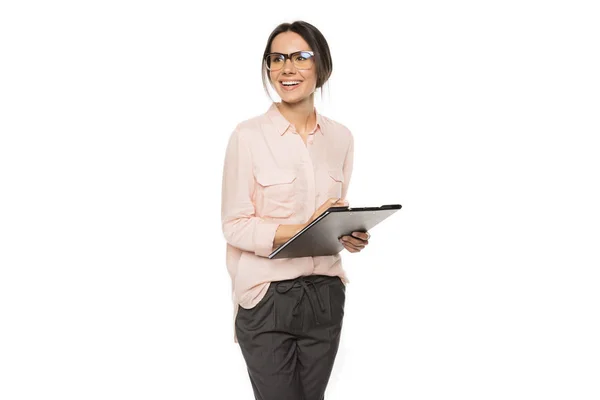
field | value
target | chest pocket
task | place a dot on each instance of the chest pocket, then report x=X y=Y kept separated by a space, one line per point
x=277 y=193
x=335 y=181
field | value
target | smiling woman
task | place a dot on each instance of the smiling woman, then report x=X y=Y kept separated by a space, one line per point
x=309 y=52
x=279 y=166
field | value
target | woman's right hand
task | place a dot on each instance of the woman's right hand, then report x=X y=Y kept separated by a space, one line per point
x=286 y=231
x=332 y=202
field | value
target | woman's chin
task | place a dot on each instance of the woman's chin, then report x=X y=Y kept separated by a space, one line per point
x=291 y=99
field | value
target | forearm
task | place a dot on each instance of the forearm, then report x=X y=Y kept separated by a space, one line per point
x=250 y=234
x=286 y=232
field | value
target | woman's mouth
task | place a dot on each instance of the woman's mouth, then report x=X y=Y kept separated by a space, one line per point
x=288 y=86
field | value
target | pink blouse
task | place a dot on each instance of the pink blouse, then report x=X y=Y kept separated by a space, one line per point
x=271 y=177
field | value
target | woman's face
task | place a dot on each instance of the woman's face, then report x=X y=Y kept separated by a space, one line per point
x=287 y=43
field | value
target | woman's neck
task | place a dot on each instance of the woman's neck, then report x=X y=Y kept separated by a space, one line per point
x=301 y=114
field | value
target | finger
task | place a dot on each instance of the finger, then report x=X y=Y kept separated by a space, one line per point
x=337 y=202
x=346 y=241
x=361 y=235
x=351 y=248
x=354 y=241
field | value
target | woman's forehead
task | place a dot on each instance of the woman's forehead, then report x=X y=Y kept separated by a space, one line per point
x=288 y=42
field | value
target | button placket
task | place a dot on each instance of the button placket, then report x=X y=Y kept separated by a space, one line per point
x=306 y=186
x=311 y=185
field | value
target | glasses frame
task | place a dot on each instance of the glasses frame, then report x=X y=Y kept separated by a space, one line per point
x=289 y=57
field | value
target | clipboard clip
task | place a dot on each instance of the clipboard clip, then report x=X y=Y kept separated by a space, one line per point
x=339 y=208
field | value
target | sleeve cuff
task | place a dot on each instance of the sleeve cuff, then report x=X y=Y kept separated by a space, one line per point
x=263 y=238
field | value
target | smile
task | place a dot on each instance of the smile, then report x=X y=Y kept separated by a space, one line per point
x=290 y=85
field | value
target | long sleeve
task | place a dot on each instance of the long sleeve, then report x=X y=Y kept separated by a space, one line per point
x=241 y=227
x=348 y=166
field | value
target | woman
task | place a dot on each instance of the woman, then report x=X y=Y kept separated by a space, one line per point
x=282 y=170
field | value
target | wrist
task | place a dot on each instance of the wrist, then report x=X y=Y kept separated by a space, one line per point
x=285 y=232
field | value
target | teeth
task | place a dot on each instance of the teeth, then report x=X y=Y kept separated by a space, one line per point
x=290 y=83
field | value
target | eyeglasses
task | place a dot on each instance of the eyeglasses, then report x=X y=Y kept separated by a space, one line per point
x=300 y=59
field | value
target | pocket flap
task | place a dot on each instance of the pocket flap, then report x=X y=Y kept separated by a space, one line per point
x=337 y=175
x=275 y=177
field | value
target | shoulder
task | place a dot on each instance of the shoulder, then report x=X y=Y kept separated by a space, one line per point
x=247 y=129
x=251 y=127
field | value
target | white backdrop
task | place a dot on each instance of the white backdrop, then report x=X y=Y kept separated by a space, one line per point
x=478 y=117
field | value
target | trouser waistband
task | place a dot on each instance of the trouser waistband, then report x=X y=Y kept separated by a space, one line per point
x=305 y=282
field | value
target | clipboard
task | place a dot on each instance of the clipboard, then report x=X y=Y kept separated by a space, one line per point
x=321 y=236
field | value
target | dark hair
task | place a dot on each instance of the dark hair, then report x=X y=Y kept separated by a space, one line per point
x=317 y=43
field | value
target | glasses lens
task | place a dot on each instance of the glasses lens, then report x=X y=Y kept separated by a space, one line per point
x=302 y=60
x=275 y=61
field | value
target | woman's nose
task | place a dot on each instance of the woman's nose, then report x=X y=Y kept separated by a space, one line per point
x=288 y=66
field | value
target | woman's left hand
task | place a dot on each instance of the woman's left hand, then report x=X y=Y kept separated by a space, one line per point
x=356 y=241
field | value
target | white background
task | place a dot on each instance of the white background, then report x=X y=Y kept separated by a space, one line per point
x=480 y=118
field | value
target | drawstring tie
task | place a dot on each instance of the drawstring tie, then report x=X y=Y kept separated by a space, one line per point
x=286 y=286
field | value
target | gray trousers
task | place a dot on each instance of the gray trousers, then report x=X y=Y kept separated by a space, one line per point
x=290 y=339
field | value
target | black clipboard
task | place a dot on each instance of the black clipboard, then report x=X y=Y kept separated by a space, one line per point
x=320 y=237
